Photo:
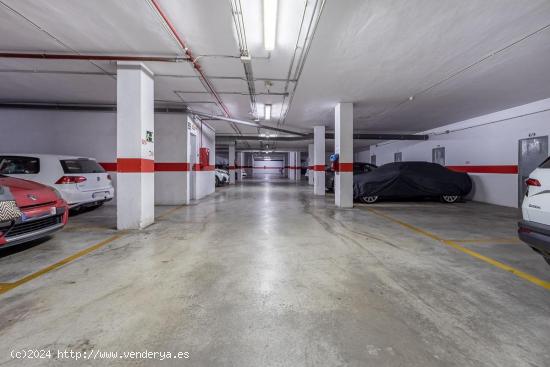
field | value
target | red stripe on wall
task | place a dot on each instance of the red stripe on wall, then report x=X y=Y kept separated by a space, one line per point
x=319 y=167
x=135 y=165
x=504 y=169
x=108 y=166
x=232 y=167
x=158 y=167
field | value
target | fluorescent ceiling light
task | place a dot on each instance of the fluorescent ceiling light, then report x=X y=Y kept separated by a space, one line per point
x=267 y=112
x=270 y=24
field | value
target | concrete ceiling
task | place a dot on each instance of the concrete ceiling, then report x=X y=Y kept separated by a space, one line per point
x=374 y=53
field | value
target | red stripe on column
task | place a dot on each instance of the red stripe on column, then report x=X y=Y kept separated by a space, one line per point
x=319 y=167
x=504 y=169
x=135 y=165
x=172 y=167
x=344 y=167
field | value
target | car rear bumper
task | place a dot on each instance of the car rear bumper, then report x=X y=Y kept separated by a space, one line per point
x=536 y=235
x=21 y=232
x=87 y=198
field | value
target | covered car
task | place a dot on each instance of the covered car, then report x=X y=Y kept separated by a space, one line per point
x=358 y=168
x=401 y=180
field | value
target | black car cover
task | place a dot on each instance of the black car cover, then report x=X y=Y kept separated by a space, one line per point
x=411 y=179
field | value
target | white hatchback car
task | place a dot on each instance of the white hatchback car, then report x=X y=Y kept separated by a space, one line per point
x=82 y=182
x=534 y=229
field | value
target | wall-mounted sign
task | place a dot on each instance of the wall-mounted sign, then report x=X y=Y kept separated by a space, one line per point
x=149 y=136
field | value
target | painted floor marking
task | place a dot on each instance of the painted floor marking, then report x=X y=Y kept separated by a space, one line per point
x=495 y=241
x=5 y=287
x=531 y=278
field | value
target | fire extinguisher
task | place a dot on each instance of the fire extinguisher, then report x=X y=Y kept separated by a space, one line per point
x=334 y=166
x=204 y=157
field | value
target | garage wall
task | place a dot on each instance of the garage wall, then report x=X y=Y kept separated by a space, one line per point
x=93 y=134
x=267 y=167
x=486 y=147
x=205 y=181
x=363 y=156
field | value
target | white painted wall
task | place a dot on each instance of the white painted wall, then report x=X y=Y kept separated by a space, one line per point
x=485 y=140
x=93 y=134
x=206 y=137
x=172 y=146
x=267 y=167
x=363 y=156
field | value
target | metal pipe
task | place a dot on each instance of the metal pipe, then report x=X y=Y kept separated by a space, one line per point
x=328 y=136
x=28 y=55
x=188 y=52
x=245 y=122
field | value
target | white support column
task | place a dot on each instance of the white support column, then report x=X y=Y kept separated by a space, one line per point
x=240 y=164
x=291 y=164
x=298 y=166
x=310 y=164
x=231 y=164
x=343 y=146
x=319 y=160
x=135 y=146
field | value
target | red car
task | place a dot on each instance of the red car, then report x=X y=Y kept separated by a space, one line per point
x=43 y=212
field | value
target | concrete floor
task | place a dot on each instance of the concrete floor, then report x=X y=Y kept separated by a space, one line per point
x=265 y=274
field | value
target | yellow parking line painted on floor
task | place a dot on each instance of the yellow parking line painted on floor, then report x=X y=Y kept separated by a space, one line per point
x=170 y=211
x=496 y=241
x=5 y=287
x=86 y=228
x=453 y=244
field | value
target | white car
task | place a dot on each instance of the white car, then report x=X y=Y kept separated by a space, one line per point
x=82 y=182
x=534 y=229
x=222 y=176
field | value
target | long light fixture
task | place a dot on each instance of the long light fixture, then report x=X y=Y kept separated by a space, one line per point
x=270 y=24
x=267 y=112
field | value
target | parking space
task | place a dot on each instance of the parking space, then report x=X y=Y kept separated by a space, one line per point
x=87 y=232
x=483 y=232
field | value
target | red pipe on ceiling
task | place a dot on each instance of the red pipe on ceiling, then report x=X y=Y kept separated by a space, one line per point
x=90 y=57
x=193 y=60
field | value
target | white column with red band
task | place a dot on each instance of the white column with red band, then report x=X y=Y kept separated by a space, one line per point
x=319 y=160
x=135 y=146
x=291 y=164
x=310 y=163
x=343 y=146
x=232 y=164
x=240 y=164
x=298 y=166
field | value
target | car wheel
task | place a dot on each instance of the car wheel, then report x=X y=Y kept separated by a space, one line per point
x=369 y=199
x=217 y=181
x=450 y=198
